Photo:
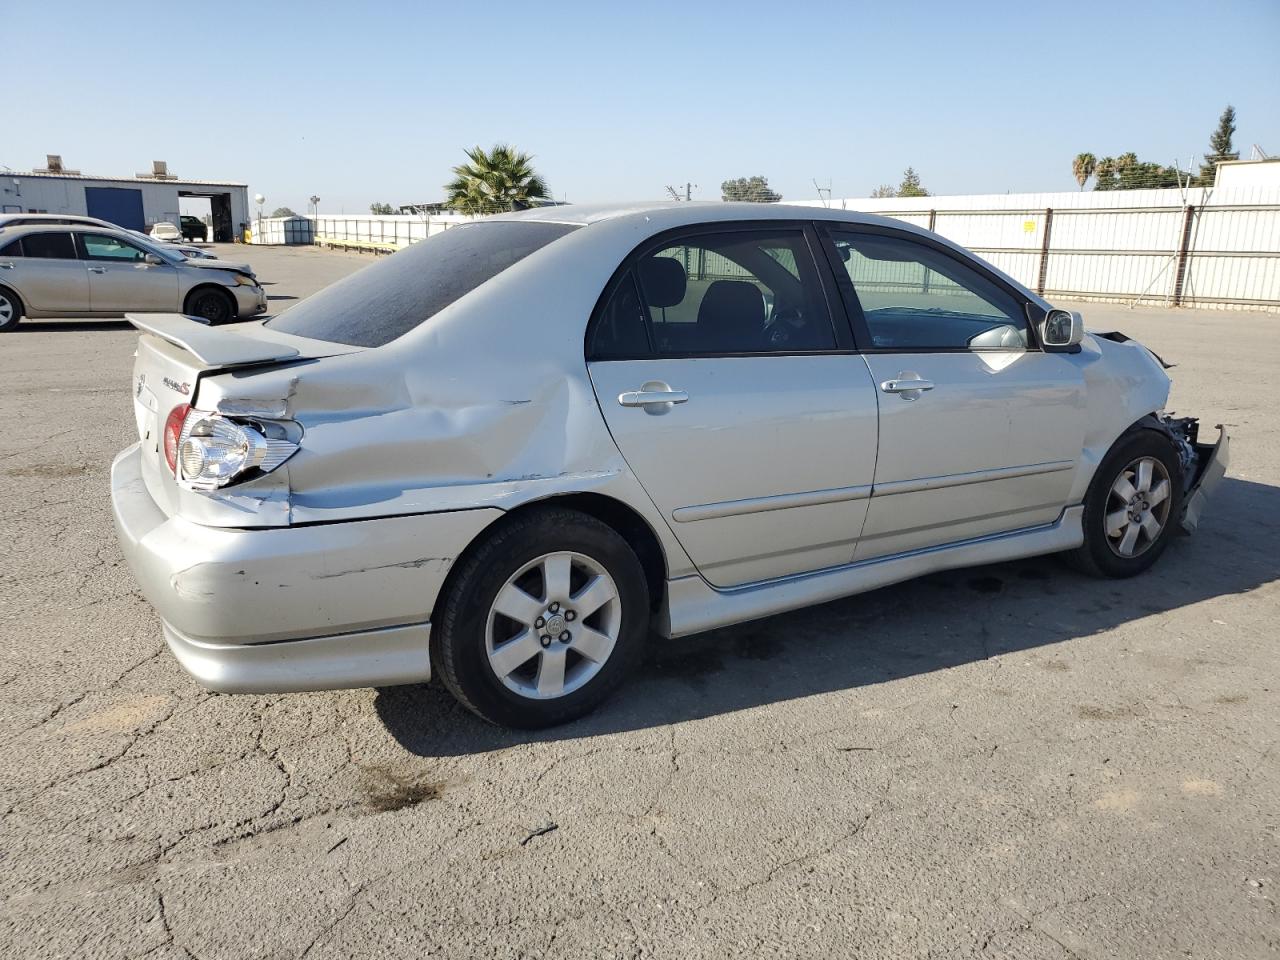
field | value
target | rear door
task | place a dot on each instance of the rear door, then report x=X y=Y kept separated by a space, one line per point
x=120 y=278
x=45 y=271
x=736 y=401
x=980 y=430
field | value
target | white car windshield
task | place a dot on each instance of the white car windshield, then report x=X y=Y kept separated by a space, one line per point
x=164 y=252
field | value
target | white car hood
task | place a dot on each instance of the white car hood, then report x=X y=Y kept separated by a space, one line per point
x=206 y=264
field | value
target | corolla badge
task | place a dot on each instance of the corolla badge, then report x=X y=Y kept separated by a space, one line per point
x=182 y=388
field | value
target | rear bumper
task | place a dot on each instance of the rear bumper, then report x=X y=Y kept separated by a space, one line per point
x=290 y=608
x=1216 y=459
x=372 y=658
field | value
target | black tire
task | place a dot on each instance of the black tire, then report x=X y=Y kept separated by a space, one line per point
x=10 y=309
x=459 y=632
x=211 y=304
x=1100 y=554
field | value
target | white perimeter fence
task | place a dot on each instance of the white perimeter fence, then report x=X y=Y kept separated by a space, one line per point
x=1203 y=247
x=399 y=231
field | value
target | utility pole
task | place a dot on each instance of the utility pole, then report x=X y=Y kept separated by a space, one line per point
x=688 y=192
x=826 y=200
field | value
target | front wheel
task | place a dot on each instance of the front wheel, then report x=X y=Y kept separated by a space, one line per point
x=1132 y=507
x=542 y=621
x=215 y=306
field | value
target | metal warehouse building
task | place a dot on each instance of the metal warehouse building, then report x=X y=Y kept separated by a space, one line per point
x=134 y=203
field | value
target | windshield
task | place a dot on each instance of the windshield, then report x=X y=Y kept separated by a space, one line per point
x=388 y=299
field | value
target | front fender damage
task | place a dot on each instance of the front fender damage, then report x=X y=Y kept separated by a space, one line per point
x=1203 y=464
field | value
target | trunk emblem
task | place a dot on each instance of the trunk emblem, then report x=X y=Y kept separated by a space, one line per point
x=182 y=388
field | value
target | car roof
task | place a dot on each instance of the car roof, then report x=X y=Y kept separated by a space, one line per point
x=52 y=219
x=13 y=229
x=673 y=213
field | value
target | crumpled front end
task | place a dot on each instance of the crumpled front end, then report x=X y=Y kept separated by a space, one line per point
x=1203 y=465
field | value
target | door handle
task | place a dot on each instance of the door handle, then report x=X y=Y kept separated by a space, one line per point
x=642 y=398
x=654 y=396
x=6 y=266
x=97 y=269
x=908 y=387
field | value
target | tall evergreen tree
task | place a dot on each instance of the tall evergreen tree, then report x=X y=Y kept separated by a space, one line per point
x=911 y=186
x=1220 y=146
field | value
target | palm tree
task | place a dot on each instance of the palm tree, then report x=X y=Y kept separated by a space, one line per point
x=1082 y=166
x=491 y=182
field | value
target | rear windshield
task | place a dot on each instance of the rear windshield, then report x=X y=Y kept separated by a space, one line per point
x=388 y=299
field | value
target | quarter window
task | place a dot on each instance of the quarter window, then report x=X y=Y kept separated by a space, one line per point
x=98 y=246
x=735 y=292
x=49 y=246
x=915 y=297
x=620 y=331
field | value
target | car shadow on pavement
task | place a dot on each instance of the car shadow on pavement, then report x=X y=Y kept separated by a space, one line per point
x=86 y=325
x=931 y=624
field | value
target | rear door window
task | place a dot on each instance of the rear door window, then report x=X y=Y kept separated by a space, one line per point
x=737 y=292
x=389 y=298
x=49 y=246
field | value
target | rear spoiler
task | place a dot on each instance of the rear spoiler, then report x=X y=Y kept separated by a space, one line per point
x=213 y=346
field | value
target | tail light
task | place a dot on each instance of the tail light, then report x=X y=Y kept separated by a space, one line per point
x=212 y=450
x=173 y=433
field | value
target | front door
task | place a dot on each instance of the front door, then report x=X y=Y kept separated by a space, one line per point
x=121 y=279
x=728 y=391
x=44 y=269
x=980 y=430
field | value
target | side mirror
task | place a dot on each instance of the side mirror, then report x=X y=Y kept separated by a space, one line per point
x=152 y=260
x=1062 y=331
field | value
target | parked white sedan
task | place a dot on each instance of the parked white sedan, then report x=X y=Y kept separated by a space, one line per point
x=508 y=453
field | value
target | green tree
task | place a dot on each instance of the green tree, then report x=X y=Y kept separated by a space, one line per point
x=884 y=190
x=494 y=181
x=1220 y=147
x=1082 y=167
x=910 y=185
x=381 y=209
x=283 y=212
x=750 y=189
x=1127 y=172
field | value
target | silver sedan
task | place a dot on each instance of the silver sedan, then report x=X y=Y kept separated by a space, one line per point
x=52 y=270
x=509 y=454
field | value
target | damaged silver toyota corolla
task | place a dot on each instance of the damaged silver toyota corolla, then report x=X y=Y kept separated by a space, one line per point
x=508 y=452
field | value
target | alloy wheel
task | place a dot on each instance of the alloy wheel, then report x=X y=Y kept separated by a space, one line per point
x=553 y=625
x=1138 y=507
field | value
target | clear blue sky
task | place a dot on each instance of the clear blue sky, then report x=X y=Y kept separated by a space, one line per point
x=363 y=102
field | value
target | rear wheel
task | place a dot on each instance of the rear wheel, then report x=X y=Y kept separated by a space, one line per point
x=1132 y=507
x=542 y=621
x=211 y=304
x=10 y=309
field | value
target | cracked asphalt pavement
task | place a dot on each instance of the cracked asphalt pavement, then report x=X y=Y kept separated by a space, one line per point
x=1012 y=761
